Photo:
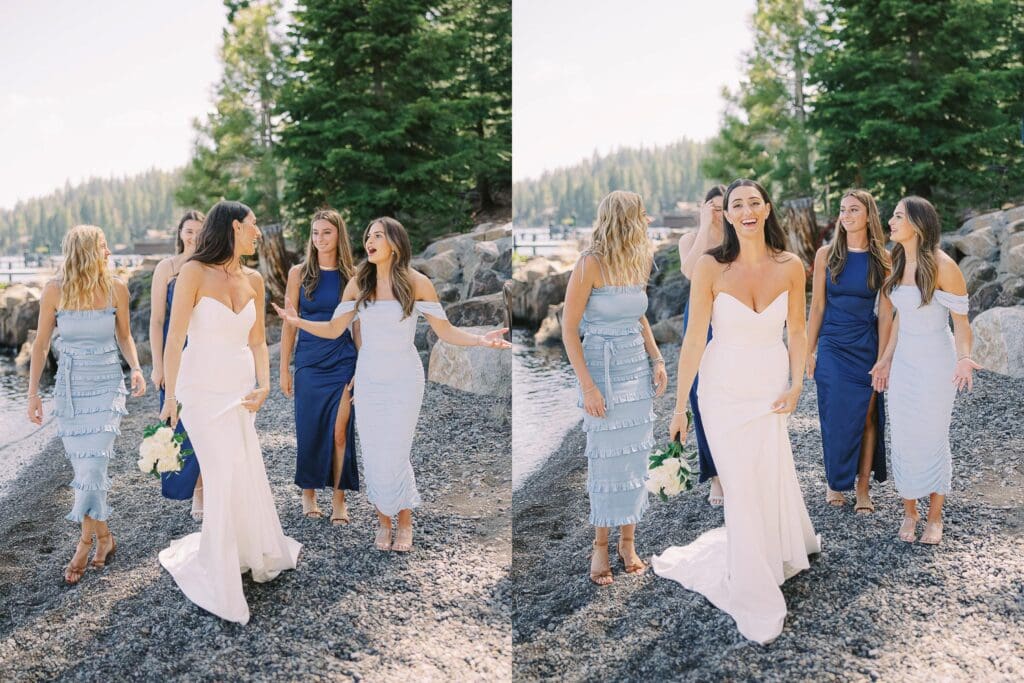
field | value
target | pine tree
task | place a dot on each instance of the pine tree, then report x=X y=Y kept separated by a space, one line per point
x=235 y=150
x=923 y=98
x=370 y=128
x=764 y=133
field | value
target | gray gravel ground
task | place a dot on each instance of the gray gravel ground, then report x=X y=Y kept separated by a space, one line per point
x=869 y=608
x=349 y=612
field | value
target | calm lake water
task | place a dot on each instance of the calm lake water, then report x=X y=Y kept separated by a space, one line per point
x=543 y=403
x=19 y=438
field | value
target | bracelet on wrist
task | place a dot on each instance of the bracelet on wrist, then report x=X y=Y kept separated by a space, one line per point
x=679 y=412
x=33 y=396
x=587 y=391
x=966 y=355
x=657 y=360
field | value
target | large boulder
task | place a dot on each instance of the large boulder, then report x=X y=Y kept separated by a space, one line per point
x=998 y=345
x=534 y=269
x=475 y=369
x=530 y=301
x=485 y=281
x=985 y=298
x=1014 y=260
x=667 y=300
x=441 y=267
x=982 y=243
x=669 y=330
x=983 y=272
x=488 y=311
x=550 y=331
x=19 y=313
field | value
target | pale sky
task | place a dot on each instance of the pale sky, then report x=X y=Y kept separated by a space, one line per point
x=603 y=74
x=101 y=88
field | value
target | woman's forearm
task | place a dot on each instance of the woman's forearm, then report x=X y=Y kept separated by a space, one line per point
x=885 y=329
x=261 y=360
x=172 y=362
x=650 y=345
x=288 y=334
x=690 y=354
x=963 y=338
x=328 y=329
x=797 y=358
x=36 y=363
x=574 y=352
x=128 y=350
x=156 y=341
x=457 y=336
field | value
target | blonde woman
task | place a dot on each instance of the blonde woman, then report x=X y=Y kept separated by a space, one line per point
x=606 y=301
x=387 y=294
x=925 y=286
x=89 y=308
x=843 y=333
x=188 y=483
x=324 y=368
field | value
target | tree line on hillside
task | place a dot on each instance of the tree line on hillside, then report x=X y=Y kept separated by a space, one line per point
x=124 y=207
x=662 y=175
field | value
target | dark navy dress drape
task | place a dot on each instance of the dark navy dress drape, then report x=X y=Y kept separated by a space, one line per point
x=178 y=485
x=323 y=367
x=847 y=350
x=707 y=465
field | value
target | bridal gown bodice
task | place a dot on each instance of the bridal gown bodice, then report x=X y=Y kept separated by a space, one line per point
x=241 y=530
x=767 y=534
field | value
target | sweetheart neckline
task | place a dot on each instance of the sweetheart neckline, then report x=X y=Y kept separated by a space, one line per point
x=761 y=312
x=228 y=308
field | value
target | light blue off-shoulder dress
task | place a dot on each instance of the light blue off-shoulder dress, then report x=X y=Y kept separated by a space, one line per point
x=89 y=399
x=388 y=393
x=618 y=445
x=921 y=391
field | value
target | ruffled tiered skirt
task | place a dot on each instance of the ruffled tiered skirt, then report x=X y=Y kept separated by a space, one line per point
x=619 y=444
x=89 y=399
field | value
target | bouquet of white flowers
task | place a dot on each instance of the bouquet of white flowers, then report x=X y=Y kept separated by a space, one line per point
x=672 y=468
x=160 y=450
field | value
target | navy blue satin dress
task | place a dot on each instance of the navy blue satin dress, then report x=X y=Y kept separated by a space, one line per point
x=178 y=485
x=707 y=465
x=323 y=367
x=847 y=350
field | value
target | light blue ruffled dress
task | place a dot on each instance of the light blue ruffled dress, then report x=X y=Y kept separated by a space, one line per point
x=387 y=394
x=921 y=391
x=618 y=445
x=89 y=399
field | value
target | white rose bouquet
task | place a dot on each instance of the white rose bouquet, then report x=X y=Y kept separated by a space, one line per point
x=672 y=468
x=160 y=450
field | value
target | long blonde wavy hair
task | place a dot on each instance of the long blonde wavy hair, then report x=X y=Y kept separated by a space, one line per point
x=84 y=271
x=925 y=221
x=878 y=262
x=401 y=283
x=620 y=238
x=311 y=266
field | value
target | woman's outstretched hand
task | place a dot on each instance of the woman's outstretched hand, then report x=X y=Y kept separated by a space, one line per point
x=495 y=339
x=963 y=375
x=288 y=314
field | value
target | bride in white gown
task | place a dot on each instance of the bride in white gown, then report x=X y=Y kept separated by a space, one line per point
x=221 y=379
x=748 y=288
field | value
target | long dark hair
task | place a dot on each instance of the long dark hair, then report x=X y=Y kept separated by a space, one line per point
x=216 y=241
x=401 y=284
x=878 y=261
x=190 y=215
x=774 y=237
x=343 y=252
x=925 y=219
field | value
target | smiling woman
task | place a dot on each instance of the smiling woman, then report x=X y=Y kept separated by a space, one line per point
x=750 y=382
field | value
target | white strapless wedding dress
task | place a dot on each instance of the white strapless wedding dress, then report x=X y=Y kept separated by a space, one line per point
x=241 y=530
x=767 y=534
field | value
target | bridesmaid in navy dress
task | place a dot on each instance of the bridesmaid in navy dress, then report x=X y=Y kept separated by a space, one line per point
x=324 y=368
x=691 y=247
x=845 y=331
x=188 y=483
